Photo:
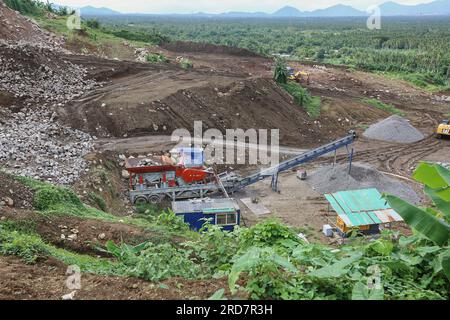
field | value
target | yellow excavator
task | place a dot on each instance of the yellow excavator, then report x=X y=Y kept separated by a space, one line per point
x=299 y=76
x=443 y=129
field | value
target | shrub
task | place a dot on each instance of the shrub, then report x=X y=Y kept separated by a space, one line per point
x=269 y=232
x=280 y=73
x=303 y=98
x=50 y=197
x=155 y=262
x=186 y=63
x=157 y=57
x=93 y=23
x=99 y=201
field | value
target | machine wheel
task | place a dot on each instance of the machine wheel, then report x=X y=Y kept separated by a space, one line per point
x=140 y=200
x=155 y=199
x=439 y=136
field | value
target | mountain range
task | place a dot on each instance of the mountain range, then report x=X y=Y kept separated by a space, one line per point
x=438 y=7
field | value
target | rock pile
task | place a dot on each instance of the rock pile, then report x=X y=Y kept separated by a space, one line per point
x=39 y=73
x=331 y=179
x=33 y=144
x=394 y=129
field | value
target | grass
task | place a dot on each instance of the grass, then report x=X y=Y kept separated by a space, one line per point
x=420 y=80
x=99 y=201
x=53 y=200
x=383 y=106
x=21 y=243
x=363 y=126
x=156 y=58
x=311 y=104
x=90 y=38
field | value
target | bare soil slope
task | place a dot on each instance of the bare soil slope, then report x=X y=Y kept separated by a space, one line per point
x=159 y=98
x=15 y=27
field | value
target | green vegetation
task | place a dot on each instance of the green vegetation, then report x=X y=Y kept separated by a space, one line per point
x=383 y=106
x=268 y=260
x=93 y=23
x=18 y=243
x=146 y=37
x=186 y=63
x=156 y=58
x=54 y=200
x=99 y=201
x=35 y=7
x=424 y=81
x=416 y=48
x=302 y=97
x=433 y=222
x=280 y=73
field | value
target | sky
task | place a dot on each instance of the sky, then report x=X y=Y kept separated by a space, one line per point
x=219 y=6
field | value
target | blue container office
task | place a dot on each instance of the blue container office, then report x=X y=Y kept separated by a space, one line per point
x=222 y=212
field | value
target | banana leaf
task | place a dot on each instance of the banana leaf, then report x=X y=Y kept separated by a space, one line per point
x=442 y=205
x=362 y=292
x=444 y=173
x=428 y=225
x=446 y=263
x=430 y=175
x=336 y=269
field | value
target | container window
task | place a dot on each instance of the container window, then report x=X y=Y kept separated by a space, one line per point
x=231 y=218
x=221 y=219
x=226 y=219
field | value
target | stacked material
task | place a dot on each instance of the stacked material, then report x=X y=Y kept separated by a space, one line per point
x=331 y=179
x=394 y=129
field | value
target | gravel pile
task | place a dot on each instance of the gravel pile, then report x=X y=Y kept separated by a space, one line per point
x=39 y=73
x=394 y=129
x=33 y=144
x=331 y=179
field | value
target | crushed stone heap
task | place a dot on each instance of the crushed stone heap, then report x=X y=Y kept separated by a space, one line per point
x=331 y=179
x=394 y=129
x=39 y=73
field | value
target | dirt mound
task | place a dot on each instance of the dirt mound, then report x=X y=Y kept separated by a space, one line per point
x=45 y=280
x=189 y=46
x=174 y=100
x=10 y=189
x=333 y=179
x=91 y=234
x=394 y=129
x=15 y=27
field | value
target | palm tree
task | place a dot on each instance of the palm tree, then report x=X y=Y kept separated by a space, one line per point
x=280 y=74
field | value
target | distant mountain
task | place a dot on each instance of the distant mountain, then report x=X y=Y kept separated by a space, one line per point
x=436 y=7
x=288 y=11
x=93 y=11
x=338 y=10
x=238 y=14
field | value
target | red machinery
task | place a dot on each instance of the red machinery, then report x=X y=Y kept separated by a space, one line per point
x=153 y=178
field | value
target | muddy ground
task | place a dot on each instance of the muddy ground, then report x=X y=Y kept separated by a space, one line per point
x=46 y=280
